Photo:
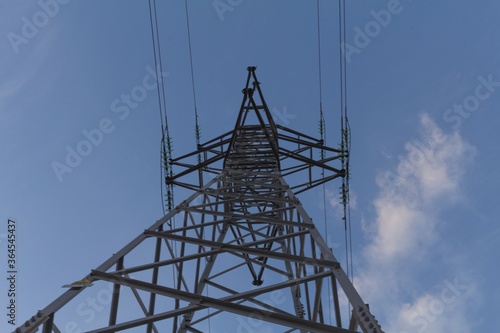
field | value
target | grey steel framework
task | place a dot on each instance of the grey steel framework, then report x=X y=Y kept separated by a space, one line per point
x=241 y=250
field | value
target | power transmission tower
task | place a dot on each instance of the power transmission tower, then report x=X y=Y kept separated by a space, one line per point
x=240 y=254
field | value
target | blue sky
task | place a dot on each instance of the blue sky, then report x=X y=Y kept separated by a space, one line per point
x=423 y=96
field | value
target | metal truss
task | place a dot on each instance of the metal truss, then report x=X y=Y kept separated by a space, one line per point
x=240 y=251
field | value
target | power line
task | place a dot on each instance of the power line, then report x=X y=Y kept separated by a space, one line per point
x=322 y=131
x=166 y=140
x=197 y=126
x=345 y=141
x=348 y=144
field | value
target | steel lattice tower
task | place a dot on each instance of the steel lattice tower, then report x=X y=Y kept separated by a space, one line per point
x=240 y=250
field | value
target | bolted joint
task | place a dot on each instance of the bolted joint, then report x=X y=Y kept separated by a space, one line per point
x=247 y=91
x=257 y=282
x=367 y=320
x=342 y=173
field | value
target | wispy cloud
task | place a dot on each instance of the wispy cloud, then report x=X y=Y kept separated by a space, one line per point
x=407 y=206
x=25 y=68
x=431 y=313
x=9 y=88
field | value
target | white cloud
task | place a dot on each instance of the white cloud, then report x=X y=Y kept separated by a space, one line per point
x=444 y=311
x=401 y=236
x=427 y=178
x=443 y=170
x=401 y=229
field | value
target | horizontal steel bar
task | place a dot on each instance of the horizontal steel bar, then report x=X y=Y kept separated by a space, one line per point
x=246 y=249
x=277 y=318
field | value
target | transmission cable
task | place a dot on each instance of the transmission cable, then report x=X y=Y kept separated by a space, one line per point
x=345 y=142
x=166 y=139
x=348 y=146
x=322 y=132
x=197 y=126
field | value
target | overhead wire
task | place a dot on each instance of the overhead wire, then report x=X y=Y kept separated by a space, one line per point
x=348 y=127
x=166 y=140
x=322 y=131
x=196 y=117
x=348 y=147
x=197 y=125
x=345 y=142
x=320 y=81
